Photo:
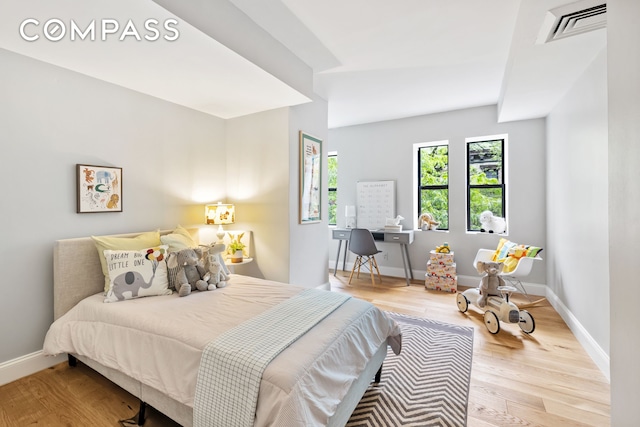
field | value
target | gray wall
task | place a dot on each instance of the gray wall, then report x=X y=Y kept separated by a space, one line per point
x=258 y=183
x=384 y=151
x=51 y=119
x=624 y=206
x=263 y=164
x=308 y=243
x=577 y=203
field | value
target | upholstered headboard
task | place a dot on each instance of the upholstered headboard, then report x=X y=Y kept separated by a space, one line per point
x=77 y=272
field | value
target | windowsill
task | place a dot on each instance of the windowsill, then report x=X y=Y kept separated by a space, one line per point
x=488 y=234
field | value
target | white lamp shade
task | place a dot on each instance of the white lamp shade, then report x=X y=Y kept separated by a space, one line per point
x=220 y=214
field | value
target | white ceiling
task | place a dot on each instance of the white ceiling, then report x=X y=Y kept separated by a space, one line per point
x=409 y=57
x=383 y=60
x=195 y=70
x=372 y=59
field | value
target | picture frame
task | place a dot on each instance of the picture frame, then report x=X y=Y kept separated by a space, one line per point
x=310 y=207
x=98 y=188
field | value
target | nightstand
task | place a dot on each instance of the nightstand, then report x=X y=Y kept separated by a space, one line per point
x=232 y=265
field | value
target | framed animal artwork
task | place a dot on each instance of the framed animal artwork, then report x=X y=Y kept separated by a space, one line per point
x=99 y=189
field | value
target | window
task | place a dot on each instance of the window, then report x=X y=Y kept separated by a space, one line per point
x=485 y=179
x=433 y=181
x=332 y=166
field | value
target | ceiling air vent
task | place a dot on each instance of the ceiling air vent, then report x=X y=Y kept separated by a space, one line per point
x=573 y=19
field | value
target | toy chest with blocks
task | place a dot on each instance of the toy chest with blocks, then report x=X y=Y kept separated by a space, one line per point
x=441 y=272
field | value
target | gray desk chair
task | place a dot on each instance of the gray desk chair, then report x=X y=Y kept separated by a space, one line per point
x=362 y=244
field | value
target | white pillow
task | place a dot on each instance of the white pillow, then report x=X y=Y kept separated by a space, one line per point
x=141 y=241
x=137 y=273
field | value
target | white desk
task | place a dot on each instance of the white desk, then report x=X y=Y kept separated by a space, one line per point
x=404 y=238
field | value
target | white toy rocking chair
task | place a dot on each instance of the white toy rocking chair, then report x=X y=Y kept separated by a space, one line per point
x=525 y=264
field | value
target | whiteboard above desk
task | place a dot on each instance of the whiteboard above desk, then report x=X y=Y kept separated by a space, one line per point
x=376 y=201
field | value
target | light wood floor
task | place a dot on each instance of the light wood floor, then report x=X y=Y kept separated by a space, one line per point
x=542 y=379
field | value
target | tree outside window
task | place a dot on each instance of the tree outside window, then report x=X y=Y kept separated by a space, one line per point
x=433 y=182
x=485 y=180
x=332 y=166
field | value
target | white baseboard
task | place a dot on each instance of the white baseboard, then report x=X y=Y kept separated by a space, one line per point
x=325 y=286
x=384 y=270
x=597 y=354
x=26 y=365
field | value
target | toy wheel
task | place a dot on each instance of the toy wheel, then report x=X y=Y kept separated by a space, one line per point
x=491 y=321
x=527 y=324
x=463 y=303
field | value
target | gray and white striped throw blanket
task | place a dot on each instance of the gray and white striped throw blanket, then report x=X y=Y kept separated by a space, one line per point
x=232 y=365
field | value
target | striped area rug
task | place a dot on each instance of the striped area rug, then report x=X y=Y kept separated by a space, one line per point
x=427 y=384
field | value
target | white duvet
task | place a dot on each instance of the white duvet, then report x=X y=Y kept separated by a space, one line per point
x=159 y=341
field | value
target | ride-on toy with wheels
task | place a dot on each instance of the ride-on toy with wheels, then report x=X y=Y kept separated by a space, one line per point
x=497 y=309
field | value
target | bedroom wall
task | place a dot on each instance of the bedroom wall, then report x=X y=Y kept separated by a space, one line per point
x=384 y=151
x=308 y=245
x=262 y=164
x=577 y=208
x=258 y=183
x=51 y=119
x=623 y=38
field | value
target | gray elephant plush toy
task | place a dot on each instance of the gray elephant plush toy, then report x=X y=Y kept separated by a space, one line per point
x=490 y=281
x=191 y=274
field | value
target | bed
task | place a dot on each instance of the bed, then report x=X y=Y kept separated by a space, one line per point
x=317 y=380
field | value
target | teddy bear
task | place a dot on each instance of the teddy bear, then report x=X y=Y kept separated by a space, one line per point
x=215 y=265
x=490 y=281
x=191 y=274
x=426 y=221
x=491 y=223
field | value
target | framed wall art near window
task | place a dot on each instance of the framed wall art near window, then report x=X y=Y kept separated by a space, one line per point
x=99 y=188
x=310 y=178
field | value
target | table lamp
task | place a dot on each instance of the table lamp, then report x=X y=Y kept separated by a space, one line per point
x=220 y=214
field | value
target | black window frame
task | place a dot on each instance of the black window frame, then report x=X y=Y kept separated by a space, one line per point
x=502 y=180
x=420 y=187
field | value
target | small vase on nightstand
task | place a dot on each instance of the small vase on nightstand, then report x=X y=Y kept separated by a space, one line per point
x=236 y=247
x=236 y=257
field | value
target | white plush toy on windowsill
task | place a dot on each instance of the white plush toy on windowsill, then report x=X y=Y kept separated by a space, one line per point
x=491 y=223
